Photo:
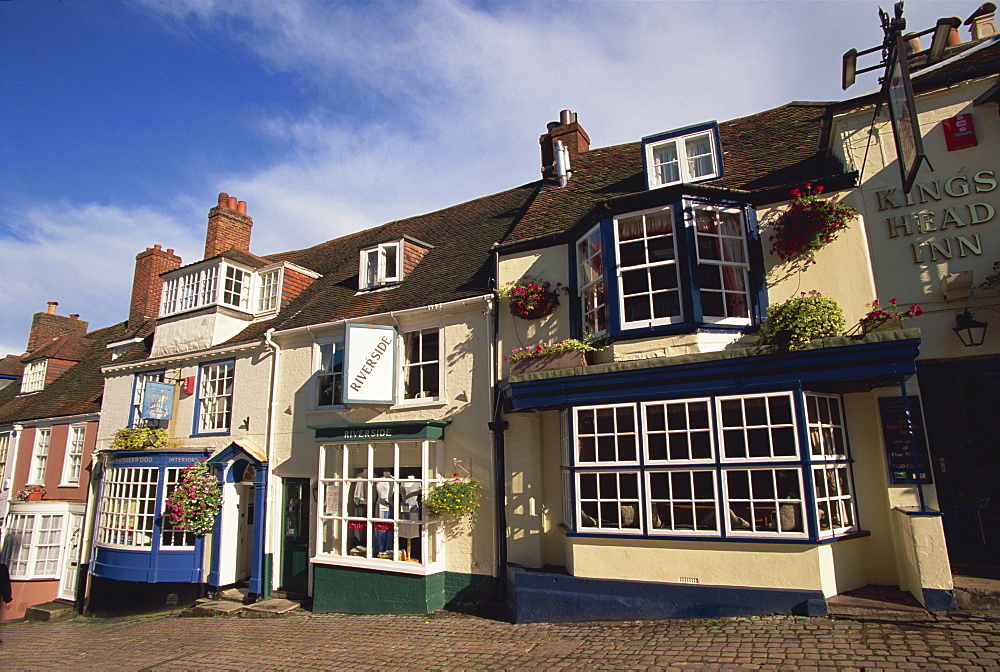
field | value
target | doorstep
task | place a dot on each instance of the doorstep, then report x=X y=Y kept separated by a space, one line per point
x=879 y=602
x=48 y=611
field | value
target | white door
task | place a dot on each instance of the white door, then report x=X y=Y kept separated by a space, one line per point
x=71 y=558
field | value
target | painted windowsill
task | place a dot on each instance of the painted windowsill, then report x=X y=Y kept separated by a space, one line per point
x=379 y=565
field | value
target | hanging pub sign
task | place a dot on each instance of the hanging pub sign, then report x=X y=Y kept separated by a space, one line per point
x=898 y=447
x=370 y=364
x=157 y=401
x=903 y=114
x=959 y=132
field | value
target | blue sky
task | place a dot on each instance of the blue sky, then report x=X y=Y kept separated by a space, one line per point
x=122 y=120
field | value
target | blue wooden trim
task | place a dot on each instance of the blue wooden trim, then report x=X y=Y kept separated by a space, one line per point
x=215 y=566
x=919 y=512
x=534 y=597
x=824 y=367
x=938 y=599
x=256 y=586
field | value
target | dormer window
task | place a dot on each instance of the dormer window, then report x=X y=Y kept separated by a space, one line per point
x=687 y=155
x=34 y=376
x=381 y=265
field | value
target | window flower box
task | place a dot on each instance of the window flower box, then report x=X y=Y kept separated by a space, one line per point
x=561 y=360
x=139 y=438
x=30 y=493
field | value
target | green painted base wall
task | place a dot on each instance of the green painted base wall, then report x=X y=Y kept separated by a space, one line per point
x=266 y=578
x=348 y=590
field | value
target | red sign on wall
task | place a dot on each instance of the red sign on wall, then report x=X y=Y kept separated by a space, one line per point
x=960 y=132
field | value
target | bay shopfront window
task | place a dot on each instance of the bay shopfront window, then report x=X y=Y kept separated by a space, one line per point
x=763 y=466
x=371 y=504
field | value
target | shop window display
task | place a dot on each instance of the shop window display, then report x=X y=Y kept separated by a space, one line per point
x=372 y=503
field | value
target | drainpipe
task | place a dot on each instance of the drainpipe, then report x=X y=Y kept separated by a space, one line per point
x=497 y=427
x=269 y=508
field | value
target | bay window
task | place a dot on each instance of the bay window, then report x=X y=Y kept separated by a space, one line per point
x=649 y=286
x=372 y=511
x=221 y=283
x=33 y=544
x=128 y=507
x=590 y=282
x=724 y=467
x=267 y=298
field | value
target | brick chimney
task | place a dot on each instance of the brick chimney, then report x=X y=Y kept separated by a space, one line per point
x=228 y=226
x=146 y=283
x=570 y=132
x=983 y=22
x=47 y=327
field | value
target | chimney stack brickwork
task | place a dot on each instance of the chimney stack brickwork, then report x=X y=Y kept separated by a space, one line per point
x=228 y=226
x=147 y=286
x=569 y=131
x=47 y=327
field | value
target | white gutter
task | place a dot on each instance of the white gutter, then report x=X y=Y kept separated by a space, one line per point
x=269 y=453
x=364 y=319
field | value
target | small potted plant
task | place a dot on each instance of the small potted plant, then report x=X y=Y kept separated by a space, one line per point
x=879 y=316
x=807 y=224
x=531 y=298
x=139 y=438
x=992 y=280
x=798 y=320
x=195 y=500
x=30 y=493
x=458 y=496
x=547 y=356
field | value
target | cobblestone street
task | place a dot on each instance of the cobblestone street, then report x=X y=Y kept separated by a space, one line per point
x=449 y=641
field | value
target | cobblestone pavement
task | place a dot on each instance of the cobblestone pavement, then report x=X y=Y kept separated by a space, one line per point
x=449 y=641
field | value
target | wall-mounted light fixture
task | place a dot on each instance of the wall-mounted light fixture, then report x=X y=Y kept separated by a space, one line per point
x=971 y=331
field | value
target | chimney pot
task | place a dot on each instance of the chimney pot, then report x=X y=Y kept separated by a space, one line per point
x=241 y=207
x=912 y=41
x=954 y=39
x=565 y=117
x=223 y=199
x=75 y=316
x=232 y=203
x=228 y=226
x=170 y=250
x=51 y=310
x=156 y=247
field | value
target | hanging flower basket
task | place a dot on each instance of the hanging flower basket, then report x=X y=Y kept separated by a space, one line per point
x=195 y=500
x=531 y=298
x=458 y=497
x=807 y=224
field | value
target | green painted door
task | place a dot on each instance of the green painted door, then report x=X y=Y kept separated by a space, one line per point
x=295 y=547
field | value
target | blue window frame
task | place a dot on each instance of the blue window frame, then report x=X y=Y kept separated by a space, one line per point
x=214 y=406
x=687 y=263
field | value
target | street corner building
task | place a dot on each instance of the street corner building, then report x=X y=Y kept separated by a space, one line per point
x=586 y=364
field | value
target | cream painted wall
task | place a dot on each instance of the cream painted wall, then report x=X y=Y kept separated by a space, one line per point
x=909 y=273
x=525 y=484
x=551 y=264
x=468 y=405
x=197 y=332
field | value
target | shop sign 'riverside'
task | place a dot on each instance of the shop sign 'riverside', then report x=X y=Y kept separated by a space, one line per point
x=370 y=364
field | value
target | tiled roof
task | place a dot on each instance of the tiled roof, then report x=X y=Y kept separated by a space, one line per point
x=11 y=367
x=77 y=391
x=69 y=348
x=960 y=61
x=459 y=264
x=773 y=149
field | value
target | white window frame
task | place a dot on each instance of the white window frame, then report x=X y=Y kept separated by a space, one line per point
x=33 y=378
x=216 y=386
x=607 y=492
x=40 y=455
x=405 y=366
x=591 y=283
x=773 y=499
x=669 y=266
x=171 y=538
x=684 y=159
x=772 y=426
x=341 y=491
x=128 y=507
x=606 y=438
x=672 y=428
x=374 y=267
x=73 y=461
x=235 y=286
x=740 y=268
x=703 y=523
x=5 y=438
x=336 y=346
x=270 y=281
x=33 y=546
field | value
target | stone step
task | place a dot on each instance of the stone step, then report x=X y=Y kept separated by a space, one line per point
x=216 y=608
x=272 y=608
x=977 y=594
x=233 y=594
x=48 y=611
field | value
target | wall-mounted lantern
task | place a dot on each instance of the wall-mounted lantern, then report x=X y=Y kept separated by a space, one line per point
x=971 y=331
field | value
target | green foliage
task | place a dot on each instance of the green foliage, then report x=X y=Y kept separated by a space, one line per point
x=195 y=500
x=139 y=438
x=802 y=318
x=586 y=344
x=458 y=497
x=807 y=224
